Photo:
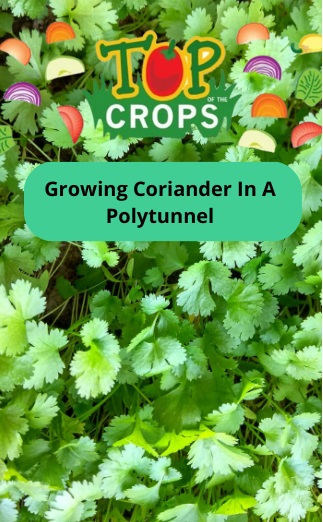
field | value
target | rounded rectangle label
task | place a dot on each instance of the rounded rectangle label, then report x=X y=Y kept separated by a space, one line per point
x=163 y=201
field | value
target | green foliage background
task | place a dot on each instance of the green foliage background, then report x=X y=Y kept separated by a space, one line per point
x=164 y=381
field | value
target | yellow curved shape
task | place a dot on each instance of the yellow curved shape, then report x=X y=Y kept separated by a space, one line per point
x=311 y=43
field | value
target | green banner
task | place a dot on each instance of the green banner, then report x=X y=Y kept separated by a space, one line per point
x=163 y=201
x=143 y=116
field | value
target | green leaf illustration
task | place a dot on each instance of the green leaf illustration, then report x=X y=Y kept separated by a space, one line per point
x=309 y=87
x=6 y=139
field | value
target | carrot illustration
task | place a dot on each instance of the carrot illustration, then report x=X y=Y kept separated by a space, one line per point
x=269 y=106
x=59 y=32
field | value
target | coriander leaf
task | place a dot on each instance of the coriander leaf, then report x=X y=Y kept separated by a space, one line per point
x=42 y=251
x=269 y=312
x=131 y=4
x=198 y=23
x=21 y=303
x=288 y=435
x=22 y=172
x=311 y=190
x=167 y=323
x=195 y=365
x=161 y=471
x=130 y=246
x=170 y=256
x=143 y=495
x=196 y=298
x=95 y=253
x=28 y=8
x=105 y=306
x=77 y=453
x=139 y=429
x=177 y=410
x=154 y=277
x=238 y=504
x=303 y=364
x=174 y=442
x=6 y=23
x=75 y=504
x=244 y=307
x=98 y=143
x=96 y=369
x=228 y=418
x=221 y=8
x=240 y=154
x=15 y=264
x=42 y=412
x=183 y=407
x=173 y=16
x=43 y=354
x=280 y=276
x=217 y=335
x=232 y=253
x=310 y=332
x=287 y=492
x=152 y=358
x=12 y=372
x=188 y=513
x=315 y=12
x=217 y=455
x=122 y=470
x=309 y=254
x=8 y=511
x=151 y=304
x=171 y=149
x=11 y=218
x=286 y=246
x=12 y=426
x=3 y=171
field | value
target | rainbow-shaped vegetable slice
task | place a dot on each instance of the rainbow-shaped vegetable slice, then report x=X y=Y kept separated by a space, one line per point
x=23 y=91
x=252 y=32
x=264 y=65
x=269 y=106
x=17 y=49
x=59 y=32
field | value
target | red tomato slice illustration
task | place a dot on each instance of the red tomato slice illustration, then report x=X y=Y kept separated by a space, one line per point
x=304 y=133
x=73 y=120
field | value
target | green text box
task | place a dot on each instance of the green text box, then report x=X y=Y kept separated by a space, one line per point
x=219 y=214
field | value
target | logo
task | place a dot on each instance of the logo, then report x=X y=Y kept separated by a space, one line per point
x=171 y=95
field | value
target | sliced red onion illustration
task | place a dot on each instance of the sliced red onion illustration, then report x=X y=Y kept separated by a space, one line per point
x=264 y=65
x=23 y=91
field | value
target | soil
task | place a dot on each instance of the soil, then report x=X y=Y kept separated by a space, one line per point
x=67 y=270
